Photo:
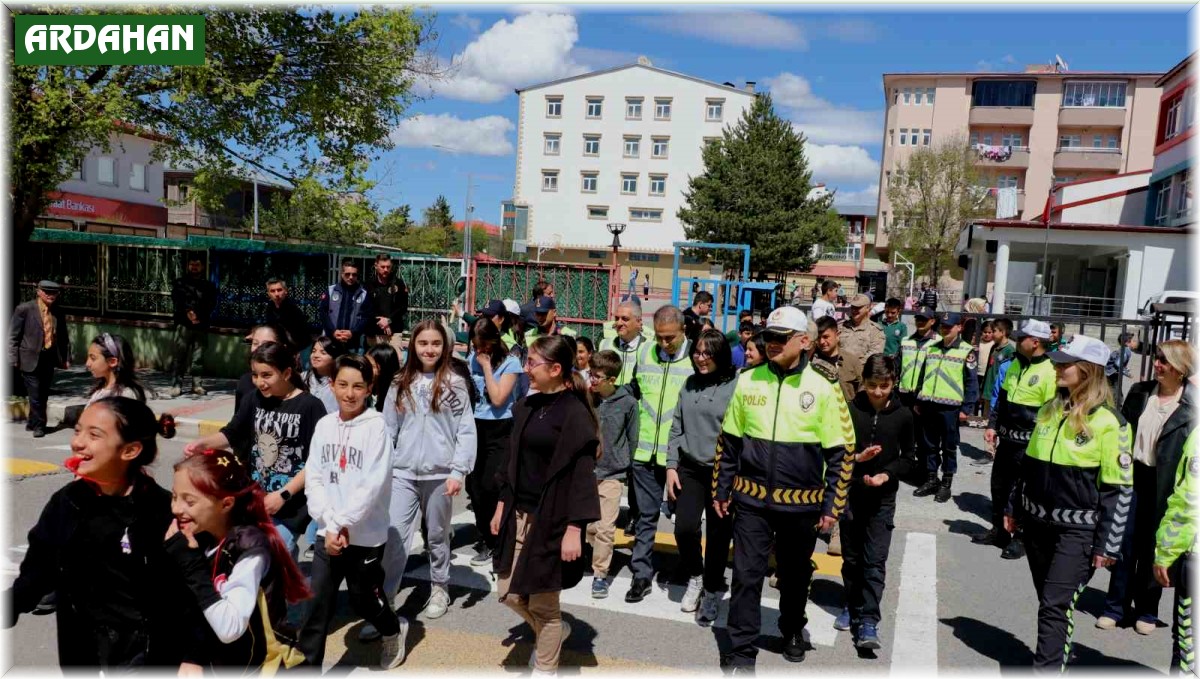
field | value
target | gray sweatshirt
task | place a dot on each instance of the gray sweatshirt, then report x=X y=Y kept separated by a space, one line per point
x=697 y=421
x=618 y=432
x=431 y=446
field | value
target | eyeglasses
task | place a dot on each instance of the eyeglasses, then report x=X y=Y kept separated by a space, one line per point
x=702 y=354
x=596 y=378
x=536 y=364
x=776 y=337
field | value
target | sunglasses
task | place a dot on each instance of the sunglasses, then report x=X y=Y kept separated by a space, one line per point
x=776 y=337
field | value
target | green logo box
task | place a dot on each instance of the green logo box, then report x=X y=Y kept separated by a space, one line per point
x=109 y=39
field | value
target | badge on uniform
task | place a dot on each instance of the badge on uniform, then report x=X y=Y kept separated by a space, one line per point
x=1034 y=380
x=806 y=401
x=1124 y=460
x=1194 y=465
x=972 y=360
x=1081 y=440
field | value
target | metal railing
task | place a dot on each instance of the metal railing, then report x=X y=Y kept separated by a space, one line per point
x=1029 y=304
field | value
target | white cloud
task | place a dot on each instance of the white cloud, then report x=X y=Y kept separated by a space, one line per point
x=542 y=8
x=529 y=49
x=487 y=136
x=466 y=22
x=834 y=165
x=820 y=120
x=739 y=29
x=867 y=196
x=789 y=90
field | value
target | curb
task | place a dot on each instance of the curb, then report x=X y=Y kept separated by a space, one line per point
x=187 y=428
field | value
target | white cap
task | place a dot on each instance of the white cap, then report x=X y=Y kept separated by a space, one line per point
x=787 y=319
x=1033 y=328
x=511 y=307
x=1082 y=348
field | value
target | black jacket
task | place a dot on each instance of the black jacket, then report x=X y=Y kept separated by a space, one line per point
x=171 y=627
x=1169 y=449
x=26 y=338
x=388 y=299
x=291 y=318
x=193 y=294
x=891 y=428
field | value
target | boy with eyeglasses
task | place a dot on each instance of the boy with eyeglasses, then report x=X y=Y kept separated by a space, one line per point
x=618 y=412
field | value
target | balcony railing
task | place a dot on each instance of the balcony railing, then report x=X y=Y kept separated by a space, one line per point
x=1087 y=149
x=1029 y=304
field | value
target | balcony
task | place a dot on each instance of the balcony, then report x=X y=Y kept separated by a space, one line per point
x=993 y=192
x=1085 y=158
x=1001 y=115
x=1016 y=157
x=1091 y=116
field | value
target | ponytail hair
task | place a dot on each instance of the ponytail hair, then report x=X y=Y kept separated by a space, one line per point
x=220 y=474
x=115 y=346
x=561 y=350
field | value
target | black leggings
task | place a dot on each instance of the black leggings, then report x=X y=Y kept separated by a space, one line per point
x=362 y=569
x=693 y=501
x=491 y=454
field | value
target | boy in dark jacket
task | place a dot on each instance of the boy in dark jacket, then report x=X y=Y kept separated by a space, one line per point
x=618 y=411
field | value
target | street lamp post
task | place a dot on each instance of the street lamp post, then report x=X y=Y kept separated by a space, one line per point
x=616 y=229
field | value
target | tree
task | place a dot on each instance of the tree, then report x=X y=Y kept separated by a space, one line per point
x=479 y=240
x=755 y=190
x=314 y=212
x=439 y=214
x=933 y=195
x=395 y=225
x=292 y=92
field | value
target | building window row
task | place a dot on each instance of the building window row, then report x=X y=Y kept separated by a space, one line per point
x=914 y=96
x=1014 y=139
x=1178 y=114
x=714 y=109
x=1174 y=199
x=1099 y=142
x=1017 y=93
x=589 y=182
x=1094 y=94
x=636 y=214
x=631 y=147
x=107 y=173
x=913 y=137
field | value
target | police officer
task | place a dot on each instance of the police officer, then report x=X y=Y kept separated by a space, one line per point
x=783 y=466
x=1028 y=385
x=1174 y=555
x=912 y=355
x=948 y=387
x=627 y=322
x=545 y=313
x=1074 y=495
x=661 y=371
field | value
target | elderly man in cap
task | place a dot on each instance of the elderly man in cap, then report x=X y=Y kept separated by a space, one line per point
x=38 y=343
x=859 y=338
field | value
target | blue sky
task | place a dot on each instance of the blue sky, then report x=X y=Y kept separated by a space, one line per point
x=824 y=71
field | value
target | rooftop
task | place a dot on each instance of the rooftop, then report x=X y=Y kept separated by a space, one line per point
x=641 y=63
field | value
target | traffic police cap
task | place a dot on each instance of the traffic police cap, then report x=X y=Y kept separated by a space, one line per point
x=950 y=318
x=1082 y=348
x=925 y=312
x=1033 y=328
x=511 y=307
x=787 y=320
x=493 y=308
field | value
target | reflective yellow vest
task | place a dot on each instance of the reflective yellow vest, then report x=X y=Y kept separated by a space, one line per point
x=1032 y=385
x=629 y=357
x=660 y=382
x=912 y=356
x=943 y=380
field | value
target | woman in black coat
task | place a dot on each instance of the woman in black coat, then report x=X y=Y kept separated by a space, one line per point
x=548 y=496
x=1165 y=404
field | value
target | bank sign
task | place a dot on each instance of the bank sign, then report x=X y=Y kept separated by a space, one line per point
x=109 y=39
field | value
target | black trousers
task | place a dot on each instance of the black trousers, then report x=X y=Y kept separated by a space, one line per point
x=1183 y=633
x=866 y=541
x=794 y=535
x=692 y=503
x=1060 y=560
x=1006 y=470
x=37 y=385
x=937 y=437
x=362 y=569
x=491 y=455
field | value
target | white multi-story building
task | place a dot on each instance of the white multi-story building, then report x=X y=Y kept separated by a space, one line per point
x=613 y=146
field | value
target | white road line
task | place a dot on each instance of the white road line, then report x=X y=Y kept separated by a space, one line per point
x=914 y=648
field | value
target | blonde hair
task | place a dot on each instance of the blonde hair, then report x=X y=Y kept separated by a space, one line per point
x=1179 y=355
x=1093 y=391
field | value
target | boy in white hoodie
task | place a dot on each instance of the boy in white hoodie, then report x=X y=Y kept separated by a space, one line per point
x=348 y=494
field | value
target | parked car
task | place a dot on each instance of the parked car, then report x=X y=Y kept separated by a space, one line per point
x=1176 y=321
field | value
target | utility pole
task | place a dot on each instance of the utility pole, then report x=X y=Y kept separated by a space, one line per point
x=468 y=209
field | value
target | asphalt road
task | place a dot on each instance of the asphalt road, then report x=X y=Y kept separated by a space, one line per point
x=949 y=605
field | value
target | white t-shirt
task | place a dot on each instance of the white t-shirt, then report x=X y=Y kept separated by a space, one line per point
x=822 y=308
x=1150 y=425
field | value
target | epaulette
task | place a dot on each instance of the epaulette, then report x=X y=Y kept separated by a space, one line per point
x=825 y=369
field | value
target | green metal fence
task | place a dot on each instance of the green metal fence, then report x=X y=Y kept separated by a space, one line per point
x=581 y=293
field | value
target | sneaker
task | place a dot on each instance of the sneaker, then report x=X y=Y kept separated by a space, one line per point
x=199 y=390
x=368 y=633
x=1146 y=626
x=691 y=597
x=1014 y=550
x=175 y=391
x=39 y=432
x=1106 y=622
x=599 y=588
x=793 y=648
x=868 y=637
x=392 y=651
x=439 y=603
x=842 y=622
x=483 y=558
x=710 y=605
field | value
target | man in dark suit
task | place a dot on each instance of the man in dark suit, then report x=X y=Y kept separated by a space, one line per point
x=38 y=342
x=195 y=299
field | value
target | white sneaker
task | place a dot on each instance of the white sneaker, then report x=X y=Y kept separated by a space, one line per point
x=392 y=651
x=709 y=608
x=368 y=633
x=439 y=603
x=691 y=597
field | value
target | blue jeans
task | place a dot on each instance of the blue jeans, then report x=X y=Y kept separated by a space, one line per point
x=288 y=539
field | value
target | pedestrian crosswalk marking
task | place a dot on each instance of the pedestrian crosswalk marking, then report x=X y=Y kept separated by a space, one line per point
x=916 y=622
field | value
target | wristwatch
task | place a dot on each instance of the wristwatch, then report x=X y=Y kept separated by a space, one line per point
x=285 y=494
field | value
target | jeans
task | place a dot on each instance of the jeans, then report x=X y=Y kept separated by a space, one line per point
x=649 y=480
x=190 y=343
x=290 y=540
x=866 y=541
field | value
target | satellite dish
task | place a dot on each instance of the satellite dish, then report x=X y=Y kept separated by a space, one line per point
x=1060 y=64
x=644 y=61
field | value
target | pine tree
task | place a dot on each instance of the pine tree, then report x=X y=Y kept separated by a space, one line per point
x=754 y=190
x=439 y=214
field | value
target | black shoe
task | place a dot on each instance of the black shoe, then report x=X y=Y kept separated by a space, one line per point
x=47 y=605
x=39 y=432
x=928 y=488
x=995 y=538
x=794 y=649
x=28 y=426
x=1014 y=550
x=638 y=590
x=943 y=491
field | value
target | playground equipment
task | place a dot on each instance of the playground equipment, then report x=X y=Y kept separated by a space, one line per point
x=730 y=297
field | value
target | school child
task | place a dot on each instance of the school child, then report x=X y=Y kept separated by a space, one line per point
x=110 y=361
x=99 y=545
x=319 y=378
x=884 y=428
x=235 y=563
x=548 y=497
x=584 y=348
x=259 y=335
x=275 y=424
x=385 y=362
x=618 y=413
x=348 y=494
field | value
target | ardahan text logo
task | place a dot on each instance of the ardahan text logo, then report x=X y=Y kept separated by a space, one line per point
x=109 y=39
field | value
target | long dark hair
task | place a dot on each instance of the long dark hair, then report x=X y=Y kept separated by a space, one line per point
x=280 y=357
x=335 y=351
x=487 y=341
x=136 y=424
x=387 y=361
x=556 y=349
x=412 y=367
x=760 y=345
x=124 y=375
x=714 y=343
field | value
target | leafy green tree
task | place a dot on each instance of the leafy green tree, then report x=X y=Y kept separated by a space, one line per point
x=755 y=190
x=317 y=213
x=439 y=214
x=479 y=241
x=395 y=224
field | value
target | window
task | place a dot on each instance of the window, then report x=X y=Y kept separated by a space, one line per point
x=553 y=107
x=926 y=137
x=637 y=214
x=904 y=136
x=1162 y=206
x=549 y=180
x=1012 y=139
x=633 y=146
x=77 y=169
x=629 y=183
x=106 y=170
x=918 y=96
x=1069 y=141
x=1179 y=115
x=987 y=138
x=642 y=257
x=660 y=148
x=711 y=140
x=1094 y=94
x=662 y=109
x=591 y=144
x=596 y=254
x=658 y=184
x=974 y=138
x=1006 y=181
x=929 y=96
x=633 y=108
x=1063 y=180
x=1114 y=141
x=552 y=144
x=1003 y=92
x=895 y=95
x=597 y=212
x=715 y=109
x=137 y=176
x=1183 y=194
x=590 y=181
x=891 y=137
x=907 y=95
x=595 y=106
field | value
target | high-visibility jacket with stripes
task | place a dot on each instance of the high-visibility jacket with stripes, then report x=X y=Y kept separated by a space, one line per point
x=1029 y=384
x=659 y=382
x=628 y=353
x=1177 y=532
x=787 y=442
x=912 y=359
x=948 y=376
x=1079 y=479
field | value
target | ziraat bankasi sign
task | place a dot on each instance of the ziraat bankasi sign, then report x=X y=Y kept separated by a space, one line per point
x=109 y=39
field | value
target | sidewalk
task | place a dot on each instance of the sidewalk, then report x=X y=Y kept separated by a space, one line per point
x=195 y=416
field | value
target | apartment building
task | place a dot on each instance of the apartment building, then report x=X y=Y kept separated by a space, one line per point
x=1169 y=202
x=616 y=145
x=1032 y=130
x=120 y=187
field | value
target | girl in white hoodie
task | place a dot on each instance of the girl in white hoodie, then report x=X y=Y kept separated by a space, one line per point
x=348 y=494
x=432 y=423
